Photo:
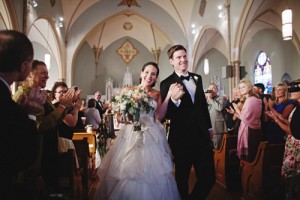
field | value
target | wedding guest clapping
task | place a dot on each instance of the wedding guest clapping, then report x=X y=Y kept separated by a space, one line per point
x=46 y=165
x=281 y=106
x=291 y=159
x=18 y=144
x=249 y=134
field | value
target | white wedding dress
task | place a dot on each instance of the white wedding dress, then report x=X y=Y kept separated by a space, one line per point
x=138 y=166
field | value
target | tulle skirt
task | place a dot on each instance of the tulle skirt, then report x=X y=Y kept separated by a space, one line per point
x=138 y=166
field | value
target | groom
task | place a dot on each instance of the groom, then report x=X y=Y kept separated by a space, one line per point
x=190 y=128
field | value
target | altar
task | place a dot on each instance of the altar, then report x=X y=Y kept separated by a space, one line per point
x=112 y=89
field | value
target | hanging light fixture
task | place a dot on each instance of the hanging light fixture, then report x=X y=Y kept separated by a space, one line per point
x=287 y=28
x=206 y=61
x=206 y=66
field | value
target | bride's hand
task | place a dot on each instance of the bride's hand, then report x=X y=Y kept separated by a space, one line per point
x=170 y=92
x=176 y=91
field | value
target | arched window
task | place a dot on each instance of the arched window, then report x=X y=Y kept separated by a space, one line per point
x=263 y=71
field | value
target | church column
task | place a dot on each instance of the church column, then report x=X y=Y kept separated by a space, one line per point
x=236 y=74
x=25 y=16
x=156 y=53
x=97 y=52
x=231 y=79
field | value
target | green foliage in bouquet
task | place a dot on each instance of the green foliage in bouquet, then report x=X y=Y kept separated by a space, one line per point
x=132 y=102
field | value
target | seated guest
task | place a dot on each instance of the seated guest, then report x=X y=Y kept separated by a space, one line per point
x=92 y=115
x=282 y=106
x=249 y=135
x=18 y=144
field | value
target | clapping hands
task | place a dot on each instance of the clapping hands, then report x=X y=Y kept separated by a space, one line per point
x=233 y=109
x=271 y=114
x=33 y=103
x=72 y=95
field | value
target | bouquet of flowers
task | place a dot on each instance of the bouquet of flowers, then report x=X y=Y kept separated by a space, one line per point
x=132 y=102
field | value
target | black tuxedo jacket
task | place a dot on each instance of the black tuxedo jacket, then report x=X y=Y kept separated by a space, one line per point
x=100 y=108
x=18 y=143
x=189 y=121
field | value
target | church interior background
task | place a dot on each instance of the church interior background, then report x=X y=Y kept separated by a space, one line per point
x=102 y=44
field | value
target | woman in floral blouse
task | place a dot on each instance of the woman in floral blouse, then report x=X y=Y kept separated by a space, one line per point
x=291 y=159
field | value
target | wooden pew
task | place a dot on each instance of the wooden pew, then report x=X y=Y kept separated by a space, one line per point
x=91 y=138
x=261 y=179
x=92 y=142
x=69 y=179
x=84 y=156
x=227 y=163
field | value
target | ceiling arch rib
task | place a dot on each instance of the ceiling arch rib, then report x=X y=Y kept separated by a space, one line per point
x=104 y=35
x=100 y=12
x=209 y=38
x=42 y=32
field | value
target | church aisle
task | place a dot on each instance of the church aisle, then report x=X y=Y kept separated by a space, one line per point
x=217 y=193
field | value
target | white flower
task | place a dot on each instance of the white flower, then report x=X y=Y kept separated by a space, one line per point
x=123 y=106
x=117 y=98
x=196 y=79
x=132 y=102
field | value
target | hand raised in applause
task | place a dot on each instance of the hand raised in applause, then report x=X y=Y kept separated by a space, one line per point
x=230 y=110
x=33 y=104
x=271 y=115
x=77 y=104
x=176 y=91
x=70 y=96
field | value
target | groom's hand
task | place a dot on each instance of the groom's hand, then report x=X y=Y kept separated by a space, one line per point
x=177 y=92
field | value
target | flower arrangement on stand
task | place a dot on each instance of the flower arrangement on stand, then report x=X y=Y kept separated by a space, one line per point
x=106 y=131
x=132 y=102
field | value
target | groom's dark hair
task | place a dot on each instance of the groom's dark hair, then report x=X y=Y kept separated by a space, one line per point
x=175 y=48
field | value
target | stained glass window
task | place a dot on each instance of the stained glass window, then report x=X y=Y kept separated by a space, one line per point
x=263 y=71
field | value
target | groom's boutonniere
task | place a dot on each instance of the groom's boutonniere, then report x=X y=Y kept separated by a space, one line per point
x=196 y=79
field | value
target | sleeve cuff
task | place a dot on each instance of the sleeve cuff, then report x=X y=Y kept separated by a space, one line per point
x=177 y=103
x=32 y=117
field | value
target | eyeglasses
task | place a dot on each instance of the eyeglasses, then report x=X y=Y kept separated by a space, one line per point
x=61 y=92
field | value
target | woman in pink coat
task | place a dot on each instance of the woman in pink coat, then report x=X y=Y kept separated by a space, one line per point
x=249 y=134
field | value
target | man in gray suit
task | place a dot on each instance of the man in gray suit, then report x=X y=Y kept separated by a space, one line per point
x=216 y=106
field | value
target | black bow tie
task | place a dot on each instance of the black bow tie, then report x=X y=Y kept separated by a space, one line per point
x=185 y=77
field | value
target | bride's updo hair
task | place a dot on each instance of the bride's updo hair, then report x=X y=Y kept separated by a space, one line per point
x=153 y=64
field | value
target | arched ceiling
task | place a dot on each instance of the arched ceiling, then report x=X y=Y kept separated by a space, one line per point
x=155 y=23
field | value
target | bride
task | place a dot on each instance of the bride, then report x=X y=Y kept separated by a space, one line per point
x=139 y=165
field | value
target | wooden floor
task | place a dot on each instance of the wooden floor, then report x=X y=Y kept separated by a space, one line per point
x=216 y=193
